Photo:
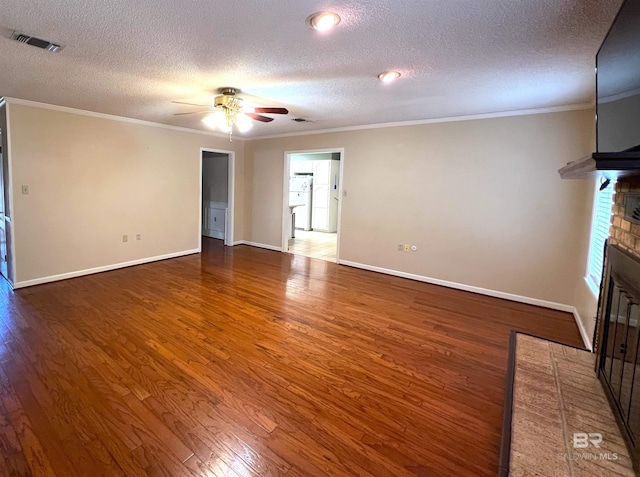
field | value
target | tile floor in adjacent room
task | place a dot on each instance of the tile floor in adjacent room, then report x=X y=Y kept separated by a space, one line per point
x=313 y=244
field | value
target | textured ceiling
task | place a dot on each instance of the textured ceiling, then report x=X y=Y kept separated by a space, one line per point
x=457 y=57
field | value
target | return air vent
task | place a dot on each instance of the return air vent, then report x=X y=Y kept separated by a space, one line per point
x=37 y=42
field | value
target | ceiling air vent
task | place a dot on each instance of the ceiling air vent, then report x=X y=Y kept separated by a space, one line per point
x=30 y=40
x=301 y=120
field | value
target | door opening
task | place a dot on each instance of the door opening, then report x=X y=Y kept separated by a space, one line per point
x=216 y=199
x=7 y=265
x=4 y=269
x=312 y=203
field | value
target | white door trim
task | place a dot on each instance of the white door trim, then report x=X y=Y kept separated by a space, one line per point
x=286 y=219
x=11 y=237
x=231 y=176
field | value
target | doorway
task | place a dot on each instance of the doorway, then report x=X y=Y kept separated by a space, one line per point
x=7 y=269
x=4 y=269
x=312 y=203
x=217 y=172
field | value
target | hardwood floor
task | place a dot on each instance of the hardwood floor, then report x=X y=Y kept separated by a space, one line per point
x=244 y=362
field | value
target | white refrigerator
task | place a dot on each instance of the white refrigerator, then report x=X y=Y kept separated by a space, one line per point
x=300 y=195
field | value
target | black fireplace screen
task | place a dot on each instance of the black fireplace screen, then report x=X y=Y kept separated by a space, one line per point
x=618 y=338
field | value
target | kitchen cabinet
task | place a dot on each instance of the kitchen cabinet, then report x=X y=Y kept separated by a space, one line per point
x=214 y=218
x=301 y=167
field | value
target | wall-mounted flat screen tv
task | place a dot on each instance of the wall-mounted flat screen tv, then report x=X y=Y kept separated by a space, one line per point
x=618 y=83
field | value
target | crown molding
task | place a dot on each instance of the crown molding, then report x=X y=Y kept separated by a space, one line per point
x=111 y=117
x=470 y=117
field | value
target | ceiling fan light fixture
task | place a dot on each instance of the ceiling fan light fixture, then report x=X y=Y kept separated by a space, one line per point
x=389 y=76
x=210 y=121
x=323 y=21
x=218 y=120
x=244 y=122
x=228 y=111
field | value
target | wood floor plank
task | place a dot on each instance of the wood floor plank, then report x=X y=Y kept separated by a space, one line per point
x=65 y=417
x=218 y=461
x=33 y=458
x=247 y=362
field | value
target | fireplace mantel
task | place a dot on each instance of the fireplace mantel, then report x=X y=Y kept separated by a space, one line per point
x=599 y=164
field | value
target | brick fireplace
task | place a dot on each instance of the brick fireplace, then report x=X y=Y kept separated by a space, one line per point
x=624 y=233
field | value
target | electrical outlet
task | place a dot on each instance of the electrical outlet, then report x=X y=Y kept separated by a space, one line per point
x=400 y=247
x=406 y=247
x=138 y=237
x=25 y=189
x=125 y=238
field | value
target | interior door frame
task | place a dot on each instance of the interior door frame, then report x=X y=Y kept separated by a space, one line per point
x=8 y=195
x=286 y=219
x=231 y=179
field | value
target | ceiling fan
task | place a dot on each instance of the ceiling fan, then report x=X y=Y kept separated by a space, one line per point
x=228 y=110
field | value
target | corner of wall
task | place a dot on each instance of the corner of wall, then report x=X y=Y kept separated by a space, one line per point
x=585 y=301
x=248 y=191
x=584 y=314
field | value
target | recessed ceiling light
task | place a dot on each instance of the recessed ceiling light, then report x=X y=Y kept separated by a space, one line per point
x=389 y=76
x=323 y=21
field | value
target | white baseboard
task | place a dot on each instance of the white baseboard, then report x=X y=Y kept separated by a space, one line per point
x=106 y=268
x=259 y=245
x=483 y=291
x=460 y=286
x=583 y=332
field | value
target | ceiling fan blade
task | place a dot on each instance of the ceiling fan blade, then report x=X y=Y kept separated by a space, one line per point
x=260 y=118
x=193 y=112
x=191 y=104
x=272 y=110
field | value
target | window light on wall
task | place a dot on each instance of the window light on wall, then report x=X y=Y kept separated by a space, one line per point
x=599 y=233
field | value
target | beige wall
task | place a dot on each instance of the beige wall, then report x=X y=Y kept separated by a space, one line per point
x=92 y=180
x=586 y=304
x=481 y=199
